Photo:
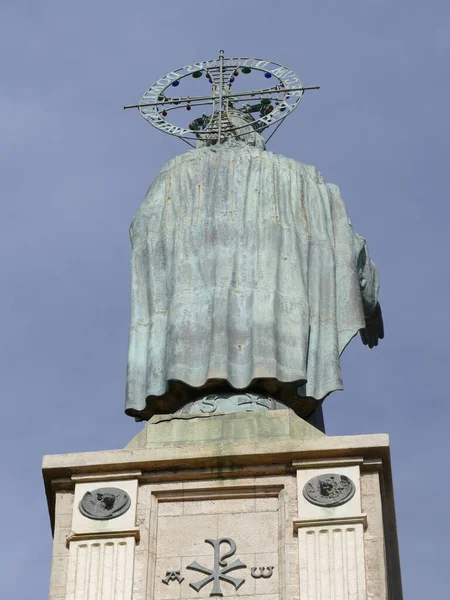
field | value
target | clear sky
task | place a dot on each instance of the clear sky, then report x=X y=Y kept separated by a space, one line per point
x=75 y=167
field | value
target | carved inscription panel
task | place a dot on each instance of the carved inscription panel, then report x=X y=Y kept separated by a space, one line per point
x=223 y=547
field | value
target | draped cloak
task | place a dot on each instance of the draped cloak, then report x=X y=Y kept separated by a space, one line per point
x=244 y=266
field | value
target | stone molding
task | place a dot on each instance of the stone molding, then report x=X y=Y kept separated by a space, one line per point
x=223 y=493
x=93 y=477
x=207 y=460
x=330 y=521
x=372 y=464
x=327 y=463
x=206 y=473
x=61 y=484
x=133 y=532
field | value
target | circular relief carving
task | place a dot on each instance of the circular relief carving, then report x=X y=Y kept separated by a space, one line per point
x=329 y=490
x=104 y=503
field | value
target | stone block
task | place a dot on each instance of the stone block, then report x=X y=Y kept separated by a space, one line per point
x=58 y=577
x=250 y=531
x=64 y=502
x=216 y=507
x=82 y=524
x=170 y=430
x=185 y=535
x=270 y=585
x=374 y=557
x=370 y=483
x=371 y=506
x=144 y=499
x=266 y=504
x=376 y=589
x=170 y=509
x=307 y=510
x=171 y=590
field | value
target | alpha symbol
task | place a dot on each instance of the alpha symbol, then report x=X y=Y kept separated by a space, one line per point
x=220 y=570
x=173 y=576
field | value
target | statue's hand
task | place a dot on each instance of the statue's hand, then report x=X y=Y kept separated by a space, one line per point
x=374 y=329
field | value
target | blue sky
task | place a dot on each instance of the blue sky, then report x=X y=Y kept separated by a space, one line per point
x=75 y=167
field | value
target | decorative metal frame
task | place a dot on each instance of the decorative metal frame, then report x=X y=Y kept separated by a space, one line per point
x=221 y=72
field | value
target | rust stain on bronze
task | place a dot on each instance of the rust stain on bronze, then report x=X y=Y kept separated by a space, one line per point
x=169 y=197
x=277 y=218
x=199 y=190
x=240 y=347
x=230 y=212
x=304 y=216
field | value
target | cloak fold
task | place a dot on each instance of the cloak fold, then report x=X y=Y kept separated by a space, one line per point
x=244 y=266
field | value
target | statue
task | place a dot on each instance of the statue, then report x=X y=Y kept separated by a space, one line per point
x=248 y=280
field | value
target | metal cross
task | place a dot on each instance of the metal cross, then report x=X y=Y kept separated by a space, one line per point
x=220 y=570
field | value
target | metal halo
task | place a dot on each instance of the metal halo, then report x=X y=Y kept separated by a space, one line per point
x=288 y=91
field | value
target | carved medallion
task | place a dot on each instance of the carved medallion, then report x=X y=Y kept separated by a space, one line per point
x=329 y=490
x=104 y=503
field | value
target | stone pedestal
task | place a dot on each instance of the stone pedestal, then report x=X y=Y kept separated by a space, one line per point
x=251 y=505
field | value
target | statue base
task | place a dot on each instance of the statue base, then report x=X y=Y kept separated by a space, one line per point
x=256 y=505
x=245 y=402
